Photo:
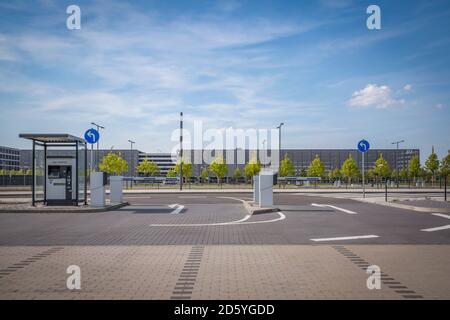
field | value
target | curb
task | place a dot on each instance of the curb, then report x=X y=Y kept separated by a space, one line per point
x=59 y=210
x=256 y=210
x=408 y=207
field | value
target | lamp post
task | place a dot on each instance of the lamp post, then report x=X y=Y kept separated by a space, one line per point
x=97 y=158
x=131 y=156
x=181 y=151
x=396 y=155
x=279 y=143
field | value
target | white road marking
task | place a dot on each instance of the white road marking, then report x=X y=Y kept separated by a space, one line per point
x=345 y=238
x=237 y=222
x=192 y=197
x=437 y=228
x=441 y=215
x=178 y=207
x=334 y=207
x=203 y=224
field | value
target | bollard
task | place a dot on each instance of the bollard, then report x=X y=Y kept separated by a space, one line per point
x=116 y=192
x=385 y=190
x=445 y=188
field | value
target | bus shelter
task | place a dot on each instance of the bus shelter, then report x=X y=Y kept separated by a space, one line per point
x=59 y=169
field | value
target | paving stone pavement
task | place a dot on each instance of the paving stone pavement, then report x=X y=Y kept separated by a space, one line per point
x=222 y=271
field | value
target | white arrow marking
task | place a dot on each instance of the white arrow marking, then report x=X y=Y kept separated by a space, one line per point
x=345 y=238
x=437 y=228
x=237 y=222
x=178 y=207
x=334 y=207
x=441 y=215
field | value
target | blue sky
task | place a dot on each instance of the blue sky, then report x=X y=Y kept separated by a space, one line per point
x=314 y=65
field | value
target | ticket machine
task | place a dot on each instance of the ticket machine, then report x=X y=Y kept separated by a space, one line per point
x=61 y=179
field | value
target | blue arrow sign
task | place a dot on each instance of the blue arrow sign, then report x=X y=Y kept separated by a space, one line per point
x=363 y=146
x=91 y=136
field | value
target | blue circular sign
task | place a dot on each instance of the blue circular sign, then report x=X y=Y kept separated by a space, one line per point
x=91 y=136
x=363 y=146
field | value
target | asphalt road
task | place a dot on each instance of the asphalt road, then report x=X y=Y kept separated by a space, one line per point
x=169 y=219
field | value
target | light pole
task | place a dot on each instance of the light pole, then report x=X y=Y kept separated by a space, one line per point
x=181 y=151
x=97 y=158
x=131 y=156
x=279 y=144
x=396 y=155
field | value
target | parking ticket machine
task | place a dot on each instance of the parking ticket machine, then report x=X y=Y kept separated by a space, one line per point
x=61 y=179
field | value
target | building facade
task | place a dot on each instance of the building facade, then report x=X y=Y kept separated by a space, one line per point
x=301 y=158
x=9 y=158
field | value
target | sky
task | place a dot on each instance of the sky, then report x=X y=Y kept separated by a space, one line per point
x=314 y=65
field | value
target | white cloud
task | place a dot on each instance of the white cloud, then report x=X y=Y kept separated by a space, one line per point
x=374 y=96
x=407 y=87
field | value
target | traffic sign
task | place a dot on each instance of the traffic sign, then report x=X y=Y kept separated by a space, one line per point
x=363 y=146
x=92 y=136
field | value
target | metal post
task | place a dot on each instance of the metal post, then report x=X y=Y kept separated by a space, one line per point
x=131 y=162
x=445 y=188
x=363 y=181
x=85 y=173
x=385 y=190
x=396 y=155
x=181 y=151
x=77 y=186
x=33 y=189
x=45 y=173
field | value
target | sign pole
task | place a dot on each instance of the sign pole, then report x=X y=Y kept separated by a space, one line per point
x=363 y=181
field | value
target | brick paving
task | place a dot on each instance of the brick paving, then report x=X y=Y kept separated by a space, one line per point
x=225 y=272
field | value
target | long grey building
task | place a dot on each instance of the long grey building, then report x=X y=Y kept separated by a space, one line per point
x=301 y=158
x=9 y=158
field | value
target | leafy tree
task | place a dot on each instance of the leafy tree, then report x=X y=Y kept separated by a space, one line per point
x=414 y=167
x=3 y=172
x=171 y=173
x=237 y=174
x=148 y=168
x=204 y=174
x=303 y=173
x=335 y=174
x=403 y=174
x=287 y=168
x=29 y=172
x=219 y=168
x=316 y=168
x=381 y=168
x=187 y=168
x=252 y=168
x=445 y=165
x=432 y=164
x=113 y=164
x=350 y=169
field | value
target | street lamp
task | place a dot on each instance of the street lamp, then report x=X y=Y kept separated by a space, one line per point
x=181 y=151
x=396 y=154
x=97 y=160
x=131 y=156
x=279 y=143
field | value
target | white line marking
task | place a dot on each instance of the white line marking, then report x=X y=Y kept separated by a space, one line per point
x=203 y=224
x=334 y=207
x=178 y=207
x=192 y=197
x=437 y=228
x=282 y=217
x=441 y=215
x=345 y=238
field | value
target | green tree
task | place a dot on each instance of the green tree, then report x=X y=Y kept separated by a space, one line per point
x=29 y=172
x=113 y=164
x=252 y=168
x=219 y=168
x=303 y=173
x=403 y=174
x=414 y=167
x=381 y=168
x=316 y=168
x=187 y=169
x=237 y=174
x=445 y=165
x=432 y=164
x=3 y=172
x=287 y=168
x=148 y=168
x=335 y=174
x=204 y=174
x=171 y=173
x=350 y=169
